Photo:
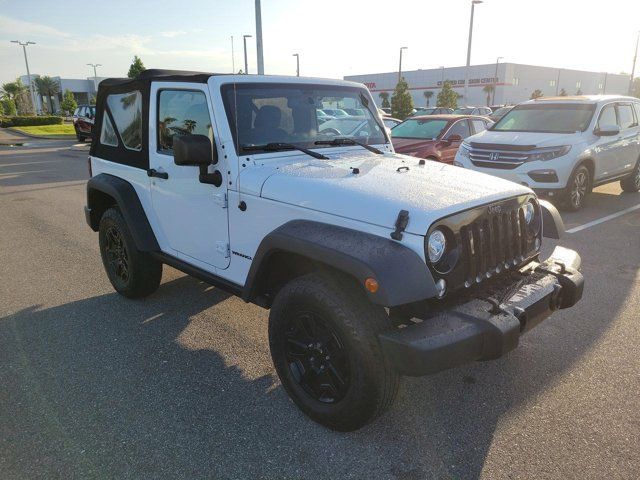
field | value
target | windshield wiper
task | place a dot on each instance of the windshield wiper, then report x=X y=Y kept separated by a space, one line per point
x=336 y=142
x=276 y=146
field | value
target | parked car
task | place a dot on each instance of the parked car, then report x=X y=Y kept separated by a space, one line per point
x=390 y=122
x=435 y=137
x=340 y=238
x=499 y=113
x=83 y=119
x=355 y=112
x=348 y=127
x=433 y=111
x=482 y=111
x=562 y=147
x=335 y=112
x=322 y=116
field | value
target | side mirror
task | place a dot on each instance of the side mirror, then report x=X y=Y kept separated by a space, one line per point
x=454 y=138
x=607 y=131
x=193 y=150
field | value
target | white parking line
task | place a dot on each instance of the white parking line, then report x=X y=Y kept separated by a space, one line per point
x=603 y=219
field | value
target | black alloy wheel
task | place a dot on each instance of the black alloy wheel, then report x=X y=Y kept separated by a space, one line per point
x=117 y=256
x=316 y=357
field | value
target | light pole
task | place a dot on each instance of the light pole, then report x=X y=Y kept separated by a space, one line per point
x=466 y=70
x=95 y=75
x=233 y=58
x=26 y=62
x=259 y=38
x=400 y=66
x=558 y=82
x=633 y=69
x=297 y=55
x=246 y=65
x=442 y=76
x=495 y=81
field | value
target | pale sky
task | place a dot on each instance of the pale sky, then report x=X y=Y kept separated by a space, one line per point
x=334 y=37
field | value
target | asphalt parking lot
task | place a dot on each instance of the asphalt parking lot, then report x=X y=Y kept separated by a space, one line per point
x=180 y=385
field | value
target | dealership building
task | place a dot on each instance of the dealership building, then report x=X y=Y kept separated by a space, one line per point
x=513 y=83
x=82 y=89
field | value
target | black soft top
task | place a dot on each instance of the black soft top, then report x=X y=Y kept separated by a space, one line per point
x=142 y=84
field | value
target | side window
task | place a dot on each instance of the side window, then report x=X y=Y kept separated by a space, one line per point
x=77 y=112
x=108 y=134
x=460 y=128
x=479 y=125
x=625 y=116
x=182 y=112
x=607 y=116
x=126 y=109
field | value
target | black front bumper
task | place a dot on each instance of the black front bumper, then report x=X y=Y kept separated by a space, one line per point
x=489 y=324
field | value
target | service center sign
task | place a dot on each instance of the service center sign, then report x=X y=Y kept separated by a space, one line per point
x=472 y=81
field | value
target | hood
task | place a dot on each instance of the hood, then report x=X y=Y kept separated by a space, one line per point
x=532 y=139
x=410 y=145
x=378 y=192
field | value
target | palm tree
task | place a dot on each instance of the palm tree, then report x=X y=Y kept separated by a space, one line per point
x=427 y=94
x=489 y=89
x=47 y=88
x=11 y=90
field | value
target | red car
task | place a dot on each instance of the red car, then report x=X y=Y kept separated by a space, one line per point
x=83 y=119
x=436 y=137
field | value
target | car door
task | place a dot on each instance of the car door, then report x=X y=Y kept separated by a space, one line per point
x=478 y=125
x=604 y=149
x=628 y=144
x=191 y=215
x=449 y=147
x=81 y=123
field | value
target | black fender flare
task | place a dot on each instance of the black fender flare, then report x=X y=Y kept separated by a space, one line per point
x=552 y=224
x=402 y=275
x=127 y=200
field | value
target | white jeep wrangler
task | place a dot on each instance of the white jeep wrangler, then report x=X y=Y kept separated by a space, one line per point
x=374 y=264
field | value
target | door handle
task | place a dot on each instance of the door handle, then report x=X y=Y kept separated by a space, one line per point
x=152 y=172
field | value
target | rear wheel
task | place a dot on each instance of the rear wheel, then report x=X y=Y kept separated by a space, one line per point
x=577 y=188
x=632 y=182
x=79 y=137
x=132 y=273
x=323 y=334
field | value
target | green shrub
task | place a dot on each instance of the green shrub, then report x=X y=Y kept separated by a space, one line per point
x=9 y=107
x=30 y=121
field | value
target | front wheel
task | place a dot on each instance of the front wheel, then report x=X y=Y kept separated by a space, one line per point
x=323 y=334
x=577 y=188
x=631 y=183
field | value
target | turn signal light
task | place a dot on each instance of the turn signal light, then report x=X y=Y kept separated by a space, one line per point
x=371 y=284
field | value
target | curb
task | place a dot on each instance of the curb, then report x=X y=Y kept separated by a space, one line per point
x=28 y=135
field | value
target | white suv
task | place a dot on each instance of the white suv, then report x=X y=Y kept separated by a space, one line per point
x=562 y=147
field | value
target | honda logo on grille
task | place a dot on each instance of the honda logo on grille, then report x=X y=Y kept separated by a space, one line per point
x=493 y=156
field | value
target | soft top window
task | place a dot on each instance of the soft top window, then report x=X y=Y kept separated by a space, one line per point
x=126 y=109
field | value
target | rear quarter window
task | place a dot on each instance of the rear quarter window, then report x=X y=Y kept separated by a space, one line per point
x=126 y=109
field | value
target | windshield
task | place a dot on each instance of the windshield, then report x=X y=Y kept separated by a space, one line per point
x=463 y=111
x=422 y=129
x=548 y=118
x=260 y=114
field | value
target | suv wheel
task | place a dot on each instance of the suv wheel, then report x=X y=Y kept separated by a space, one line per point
x=132 y=273
x=632 y=182
x=323 y=334
x=78 y=136
x=577 y=188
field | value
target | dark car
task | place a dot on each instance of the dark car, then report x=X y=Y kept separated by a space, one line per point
x=432 y=111
x=83 y=119
x=436 y=137
x=499 y=113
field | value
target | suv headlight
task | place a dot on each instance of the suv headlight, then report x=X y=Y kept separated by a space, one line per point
x=549 y=153
x=463 y=151
x=436 y=246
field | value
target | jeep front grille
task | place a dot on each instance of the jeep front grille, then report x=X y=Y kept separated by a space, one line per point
x=493 y=244
x=485 y=241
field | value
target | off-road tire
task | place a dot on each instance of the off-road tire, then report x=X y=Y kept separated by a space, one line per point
x=578 y=187
x=143 y=273
x=631 y=184
x=342 y=305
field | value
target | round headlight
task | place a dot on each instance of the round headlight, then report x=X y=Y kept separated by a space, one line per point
x=436 y=246
x=529 y=212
